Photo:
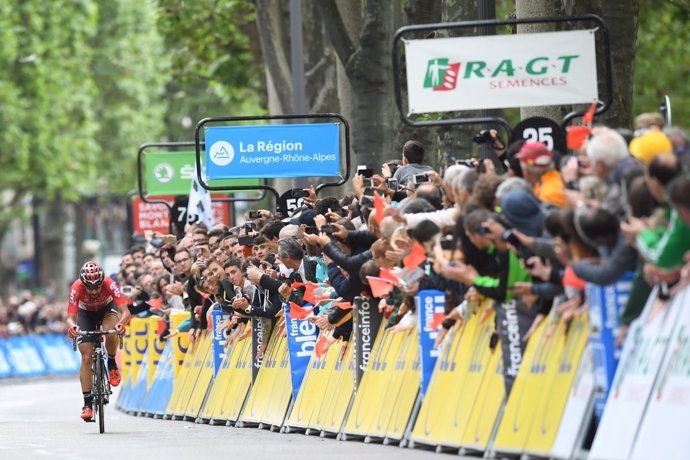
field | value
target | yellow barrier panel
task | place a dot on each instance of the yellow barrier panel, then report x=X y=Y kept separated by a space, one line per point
x=180 y=342
x=180 y=379
x=219 y=385
x=549 y=412
x=140 y=340
x=381 y=391
x=203 y=382
x=368 y=398
x=404 y=384
x=240 y=380
x=487 y=407
x=126 y=363
x=455 y=383
x=190 y=372
x=316 y=388
x=529 y=388
x=269 y=397
x=331 y=416
x=155 y=348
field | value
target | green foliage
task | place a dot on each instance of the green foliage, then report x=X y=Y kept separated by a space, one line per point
x=662 y=64
x=216 y=67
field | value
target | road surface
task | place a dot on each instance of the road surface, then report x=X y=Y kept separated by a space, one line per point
x=40 y=419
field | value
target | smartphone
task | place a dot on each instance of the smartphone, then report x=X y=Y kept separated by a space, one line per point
x=368 y=191
x=369 y=182
x=245 y=240
x=254 y=215
x=311 y=230
x=446 y=244
x=509 y=237
x=328 y=229
x=299 y=193
x=420 y=178
x=393 y=184
x=126 y=289
x=364 y=170
x=366 y=200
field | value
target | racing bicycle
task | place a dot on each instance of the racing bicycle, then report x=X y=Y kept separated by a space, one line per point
x=100 y=387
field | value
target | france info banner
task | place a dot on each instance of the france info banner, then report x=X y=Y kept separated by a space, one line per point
x=605 y=306
x=272 y=151
x=498 y=71
x=429 y=303
x=301 y=339
x=367 y=324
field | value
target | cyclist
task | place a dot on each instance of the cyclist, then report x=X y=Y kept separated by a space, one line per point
x=93 y=299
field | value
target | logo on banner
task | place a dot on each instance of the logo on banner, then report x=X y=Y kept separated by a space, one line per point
x=222 y=153
x=164 y=173
x=440 y=75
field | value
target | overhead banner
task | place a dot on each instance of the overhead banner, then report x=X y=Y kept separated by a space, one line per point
x=272 y=151
x=156 y=216
x=500 y=71
x=170 y=173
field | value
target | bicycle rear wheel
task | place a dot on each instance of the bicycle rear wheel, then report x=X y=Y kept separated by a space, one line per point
x=98 y=393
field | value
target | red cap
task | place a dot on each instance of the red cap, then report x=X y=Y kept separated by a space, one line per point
x=535 y=154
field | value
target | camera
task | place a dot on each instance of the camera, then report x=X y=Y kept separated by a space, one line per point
x=369 y=182
x=328 y=229
x=420 y=178
x=254 y=215
x=469 y=163
x=509 y=237
x=483 y=137
x=365 y=171
x=393 y=184
x=156 y=242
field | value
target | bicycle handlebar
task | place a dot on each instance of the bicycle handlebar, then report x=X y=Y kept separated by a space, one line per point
x=95 y=333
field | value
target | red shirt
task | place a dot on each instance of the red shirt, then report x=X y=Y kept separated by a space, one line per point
x=79 y=299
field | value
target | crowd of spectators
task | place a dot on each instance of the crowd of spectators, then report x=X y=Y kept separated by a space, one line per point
x=525 y=229
x=31 y=314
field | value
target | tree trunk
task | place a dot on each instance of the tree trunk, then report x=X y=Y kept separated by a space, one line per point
x=536 y=9
x=52 y=254
x=621 y=17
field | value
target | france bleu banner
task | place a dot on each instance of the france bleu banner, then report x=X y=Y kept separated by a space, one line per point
x=271 y=151
x=429 y=303
x=219 y=337
x=301 y=337
x=605 y=306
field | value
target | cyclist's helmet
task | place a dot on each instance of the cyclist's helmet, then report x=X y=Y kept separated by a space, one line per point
x=91 y=275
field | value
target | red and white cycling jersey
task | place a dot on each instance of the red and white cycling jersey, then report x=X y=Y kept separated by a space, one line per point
x=79 y=299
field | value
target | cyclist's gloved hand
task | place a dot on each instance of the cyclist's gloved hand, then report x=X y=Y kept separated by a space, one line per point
x=72 y=332
x=120 y=328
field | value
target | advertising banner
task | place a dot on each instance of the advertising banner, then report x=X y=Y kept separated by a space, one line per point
x=643 y=353
x=664 y=426
x=261 y=331
x=299 y=150
x=5 y=367
x=301 y=340
x=367 y=320
x=500 y=71
x=219 y=338
x=430 y=303
x=57 y=353
x=170 y=173
x=156 y=216
x=24 y=357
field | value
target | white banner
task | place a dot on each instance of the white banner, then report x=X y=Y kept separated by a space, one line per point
x=665 y=432
x=643 y=353
x=500 y=71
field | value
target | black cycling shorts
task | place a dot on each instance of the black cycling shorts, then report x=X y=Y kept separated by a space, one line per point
x=89 y=320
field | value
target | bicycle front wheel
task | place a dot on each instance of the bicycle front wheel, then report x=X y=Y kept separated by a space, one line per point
x=99 y=395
